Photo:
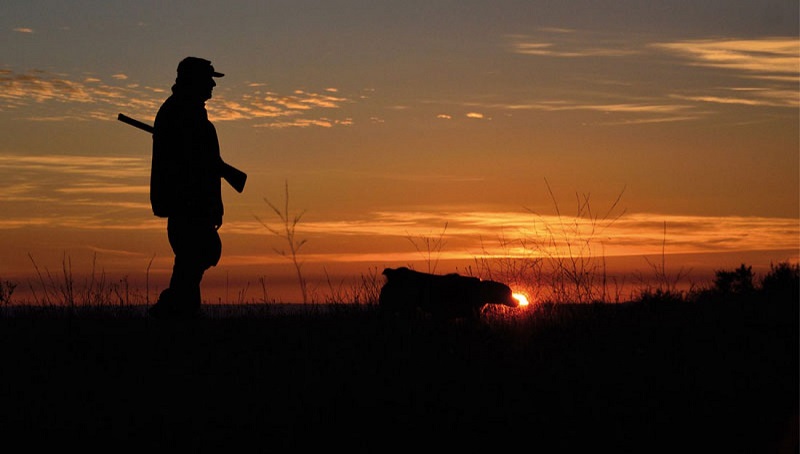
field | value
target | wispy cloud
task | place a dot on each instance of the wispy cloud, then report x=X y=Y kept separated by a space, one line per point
x=635 y=112
x=758 y=97
x=64 y=186
x=767 y=57
x=90 y=188
x=475 y=233
x=305 y=123
x=23 y=30
x=276 y=108
x=569 y=43
x=109 y=167
x=44 y=96
x=771 y=65
x=762 y=57
x=85 y=222
x=32 y=92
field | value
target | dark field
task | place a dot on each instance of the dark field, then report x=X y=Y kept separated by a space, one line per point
x=638 y=377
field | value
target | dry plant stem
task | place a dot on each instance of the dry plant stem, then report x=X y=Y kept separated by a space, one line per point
x=6 y=290
x=519 y=264
x=433 y=247
x=147 y=280
x=94 y=291
x=569 y=249
x=665 y=283
x=36 y=300
x=289 y=233
x=263 y=281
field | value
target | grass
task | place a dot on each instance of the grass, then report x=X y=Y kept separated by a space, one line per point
x=717 y=372
x=640 y=377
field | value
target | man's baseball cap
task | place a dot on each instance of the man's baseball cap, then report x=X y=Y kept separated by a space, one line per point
x=193 y=67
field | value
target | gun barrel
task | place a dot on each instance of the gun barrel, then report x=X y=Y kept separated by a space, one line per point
x=135 y=123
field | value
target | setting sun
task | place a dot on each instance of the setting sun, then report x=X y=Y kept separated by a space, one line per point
x=523 y=300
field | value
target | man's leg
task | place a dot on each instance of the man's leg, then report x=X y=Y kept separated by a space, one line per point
x=197 y=247
x=185 y=283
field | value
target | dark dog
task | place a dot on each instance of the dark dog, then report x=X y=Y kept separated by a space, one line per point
x=443 y=296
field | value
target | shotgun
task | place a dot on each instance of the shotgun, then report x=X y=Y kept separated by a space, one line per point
x=235 y=177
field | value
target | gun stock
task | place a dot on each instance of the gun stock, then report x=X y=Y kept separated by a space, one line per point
x=235 y=177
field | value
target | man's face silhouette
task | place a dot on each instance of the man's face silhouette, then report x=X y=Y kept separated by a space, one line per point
x=208 y=88
x=204 y=88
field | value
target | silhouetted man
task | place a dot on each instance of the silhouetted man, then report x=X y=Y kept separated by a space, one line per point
x=185 y=186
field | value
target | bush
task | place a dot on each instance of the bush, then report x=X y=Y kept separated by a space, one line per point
x=782 y=284
x=734 y=283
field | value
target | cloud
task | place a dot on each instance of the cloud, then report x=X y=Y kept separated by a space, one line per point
x=23 y=30
x=762 y=57
x=643 y=121
x=90 y=188
x=44 y=96
x=550 y=50
x=63 y=186
x=61 y=183
x=525 y=234
x=61 y=97
x=99 y=224
x=568 y=43
x=302 y=100
x=577 y=105
x=304 y=123
x=770 y=64
x=37 y=86
x=271 y=105
x=106 y=166
x=764 y=97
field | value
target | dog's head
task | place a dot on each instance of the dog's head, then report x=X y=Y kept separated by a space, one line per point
x=401 y=273
x=497 y=293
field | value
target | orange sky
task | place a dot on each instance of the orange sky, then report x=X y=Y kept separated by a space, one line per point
x=393 y=122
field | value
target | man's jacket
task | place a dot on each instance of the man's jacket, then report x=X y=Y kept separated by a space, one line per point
x=186 y=166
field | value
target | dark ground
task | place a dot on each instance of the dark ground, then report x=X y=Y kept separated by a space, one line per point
x=669 y=377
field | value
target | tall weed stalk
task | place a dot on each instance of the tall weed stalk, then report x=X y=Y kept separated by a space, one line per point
x=430 y=248
x=576 y=271
x=288 y=231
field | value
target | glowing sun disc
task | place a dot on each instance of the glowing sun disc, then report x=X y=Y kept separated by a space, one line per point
x=523 y=300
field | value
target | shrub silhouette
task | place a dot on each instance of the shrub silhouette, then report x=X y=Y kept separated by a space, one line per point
x=779 y=287
x=782 y=283
x=738 y=282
